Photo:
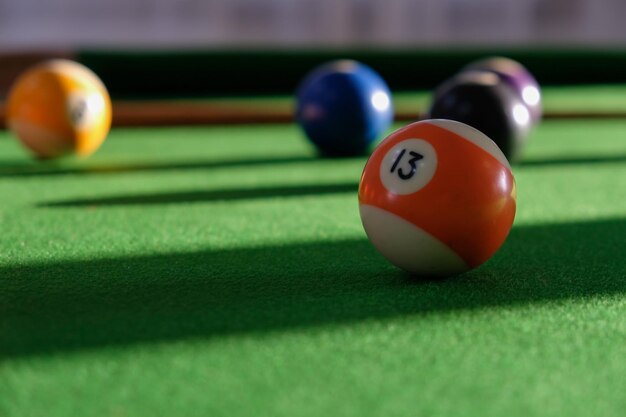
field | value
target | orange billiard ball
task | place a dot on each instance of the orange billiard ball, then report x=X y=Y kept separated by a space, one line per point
x=437 y=198
x=59 y=107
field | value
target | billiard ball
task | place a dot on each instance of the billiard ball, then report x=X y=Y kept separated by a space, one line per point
x=437 y=198
x=483 y=101
x=343 y=107
x=518 y=77
x=59 y=107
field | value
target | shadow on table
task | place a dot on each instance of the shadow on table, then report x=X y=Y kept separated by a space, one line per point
x=53 y=168
x=209 y=195
x=583 y=160
x=9 y=169
x=88 y=304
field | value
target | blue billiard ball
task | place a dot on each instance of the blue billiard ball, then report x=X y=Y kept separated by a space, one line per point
x=343 y=107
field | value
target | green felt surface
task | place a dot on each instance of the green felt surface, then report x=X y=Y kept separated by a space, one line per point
x=223 y=271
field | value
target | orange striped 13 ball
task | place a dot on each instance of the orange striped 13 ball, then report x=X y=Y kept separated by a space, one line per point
x=437 y=198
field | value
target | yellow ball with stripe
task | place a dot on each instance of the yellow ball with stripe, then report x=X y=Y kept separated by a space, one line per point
x=59 y=107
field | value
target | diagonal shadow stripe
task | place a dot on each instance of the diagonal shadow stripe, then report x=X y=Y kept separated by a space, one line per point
x=208 y=196
x=53 y=168
x=77 y=305
x=583 y=160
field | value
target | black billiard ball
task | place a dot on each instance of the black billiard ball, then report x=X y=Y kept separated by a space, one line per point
x=518 y=77
x=484 y=101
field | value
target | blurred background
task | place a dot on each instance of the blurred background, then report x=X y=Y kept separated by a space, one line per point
x=61 y=24
x=218 y=47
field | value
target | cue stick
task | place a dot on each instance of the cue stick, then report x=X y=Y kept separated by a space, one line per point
x=168 y=113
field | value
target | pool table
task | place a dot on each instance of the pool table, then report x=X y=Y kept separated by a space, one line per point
x=222 y=270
